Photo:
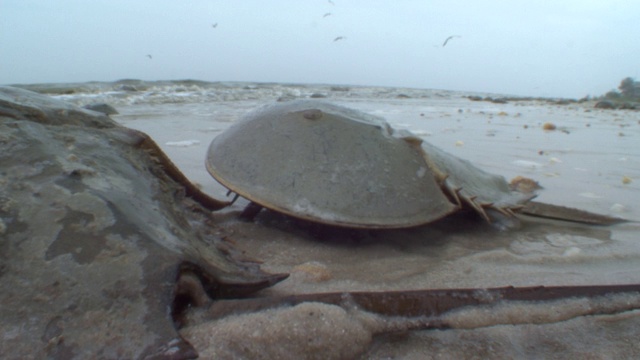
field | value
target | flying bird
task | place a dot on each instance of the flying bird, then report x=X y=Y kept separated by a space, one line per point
x=331 y=2
x=214 y=25
x=149 y=56
x=339 y=38
x=325 y=15
x=449 y=38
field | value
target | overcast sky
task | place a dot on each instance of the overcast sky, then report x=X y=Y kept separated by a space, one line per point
x=568 y=48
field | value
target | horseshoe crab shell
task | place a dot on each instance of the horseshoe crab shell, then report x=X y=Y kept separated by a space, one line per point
x=96 y=236
x=338 y=166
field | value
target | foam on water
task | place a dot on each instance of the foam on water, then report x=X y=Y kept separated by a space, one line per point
x=183 y=143
x=528 y=164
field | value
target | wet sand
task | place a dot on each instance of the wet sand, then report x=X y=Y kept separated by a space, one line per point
x=591 y=161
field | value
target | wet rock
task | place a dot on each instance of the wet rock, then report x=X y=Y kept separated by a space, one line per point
x=499 y=101
x=95 y=230
x=102 y=108
x=563 y=102
x=629 y=106
x=126 y=87
x=605 y=104
x=524 y=185
x=287 y=97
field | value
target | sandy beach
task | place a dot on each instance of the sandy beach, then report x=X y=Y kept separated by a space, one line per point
x=591 y=161
x=378 y=208
x=583 y=157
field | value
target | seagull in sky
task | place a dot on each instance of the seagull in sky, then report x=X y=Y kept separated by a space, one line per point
x=339 y=38
x=331 y=2
x=325 y=15
x=214 y=25
x=449 y=38
x=149 y=56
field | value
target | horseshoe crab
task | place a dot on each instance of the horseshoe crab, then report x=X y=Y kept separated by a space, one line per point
x=101 y=238
x=334 y=165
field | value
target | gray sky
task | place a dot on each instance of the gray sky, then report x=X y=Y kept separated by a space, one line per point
x=568 y=48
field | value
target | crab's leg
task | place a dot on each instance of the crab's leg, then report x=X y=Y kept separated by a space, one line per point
x=453 y=192
x=478 y=208
x=510 y=211
x=504 y=211
x=234 y=198
x=250 y=211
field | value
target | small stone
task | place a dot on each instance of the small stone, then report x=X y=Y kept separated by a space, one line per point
x=524 y=185
x=312 y=114
x=313 y=271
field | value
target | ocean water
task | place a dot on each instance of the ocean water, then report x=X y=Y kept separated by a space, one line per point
x=591 y=161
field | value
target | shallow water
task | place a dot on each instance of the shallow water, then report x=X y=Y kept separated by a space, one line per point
x=581 y=164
